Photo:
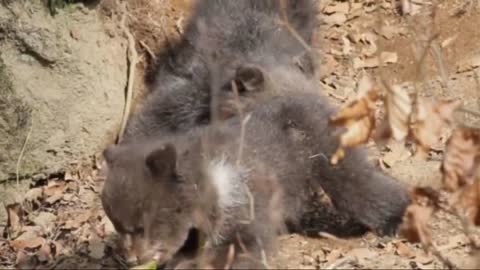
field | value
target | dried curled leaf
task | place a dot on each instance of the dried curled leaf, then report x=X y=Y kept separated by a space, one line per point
x=459 y=161
x=399 y=107
x=469 y=202
x=358 y=118
x=32 y=243
x=430 y=119
x=426 y=196
x=415 y=224
x=15 y=220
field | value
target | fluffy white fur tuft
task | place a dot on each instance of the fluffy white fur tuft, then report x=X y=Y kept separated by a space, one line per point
x=229 y=181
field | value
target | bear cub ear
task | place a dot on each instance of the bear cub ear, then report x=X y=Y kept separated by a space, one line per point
x=109 y=153
x=162 y=161
x=249 y=78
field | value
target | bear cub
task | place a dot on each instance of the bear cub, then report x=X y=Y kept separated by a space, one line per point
x=240 y=184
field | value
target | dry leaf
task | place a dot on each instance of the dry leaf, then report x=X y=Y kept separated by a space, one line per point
x=347 y=47
x=34 y=195
x=469 y=63
x=399 y=107
x=14 y=218
x=389 y=31
x=459 y=161
x=447 y=42
x=32 y=243
x=45 y=220
x=77 y=220
x=335 y=254
x=45 y=252
x=386 y=57
x=362 y=254
x=364 y=85
x=335 y=19
x=415 y=224
x=54 y=191
x=430 y=119
x=470 y=202
x=403 y=250
x=426 y=196
x=363 y=106
x=358 y=118
x=410 y=7
x=342 y=7
x=397 y=153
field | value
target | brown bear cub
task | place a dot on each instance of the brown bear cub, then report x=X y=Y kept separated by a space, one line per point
x=225 y=41
x=178 y=188
x=159 y=190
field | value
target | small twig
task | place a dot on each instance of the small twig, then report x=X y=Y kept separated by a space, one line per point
x=251 y=204
x=20 y=156
x=340 y=263
x=477 y=83
x=230 y=257
x=241 y=244
x=243 y=123
x=132 y=58
x=437 y=55
x=149 y=51
x=263 y=254
x=286 y=24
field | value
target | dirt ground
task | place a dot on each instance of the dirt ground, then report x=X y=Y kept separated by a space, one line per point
x=64 y=225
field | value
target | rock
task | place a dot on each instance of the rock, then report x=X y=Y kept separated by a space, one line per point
x=66 y=95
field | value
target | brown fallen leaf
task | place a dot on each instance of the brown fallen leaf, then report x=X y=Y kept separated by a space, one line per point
x=430 y=119
x=33 y=243
x=447 y=42
x=25 y=260
x=77 y=220
x=415 y=224
x=385 y=58
x=399 y=107
x=54 y=191
x=358 y=117
x=14 y=218
x=459 y=160
x=469 y=63
x=397 y=152
x=34 y=195
x=335 y=19
x=469 y=202
x=341 y=7
x=426 y=196
x=44 y=254
x=359 y=108
x=403 y=250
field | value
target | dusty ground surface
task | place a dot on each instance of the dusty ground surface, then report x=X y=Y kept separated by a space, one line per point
x=63 y=224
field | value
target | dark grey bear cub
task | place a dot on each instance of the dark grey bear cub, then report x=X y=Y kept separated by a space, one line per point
x=230 y=186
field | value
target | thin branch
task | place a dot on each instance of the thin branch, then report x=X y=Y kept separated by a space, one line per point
x=20 y=156
x=230 y=257
x=132 y=58
x=149 y=51
x=284 y=22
